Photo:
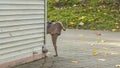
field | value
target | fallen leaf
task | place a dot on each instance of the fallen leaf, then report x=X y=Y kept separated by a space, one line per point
x=82 y=39
x=114 y=53
x=102 y=59
x=97 y=41
x=114 y=30
x=104 y=48
x=95 y=52
x=92 y=44
x=102 y=41
x=118 y=65
x=75 y=62
x=98 y=34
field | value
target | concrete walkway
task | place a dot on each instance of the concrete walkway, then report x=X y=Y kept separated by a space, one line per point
x=82 y=49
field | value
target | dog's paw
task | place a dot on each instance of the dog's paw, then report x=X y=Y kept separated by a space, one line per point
x=64 y=29
x=55 y=55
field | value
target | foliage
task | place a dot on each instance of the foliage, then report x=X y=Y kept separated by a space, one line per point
x=96 y=14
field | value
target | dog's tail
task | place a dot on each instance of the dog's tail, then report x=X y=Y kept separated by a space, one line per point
x=62 y=25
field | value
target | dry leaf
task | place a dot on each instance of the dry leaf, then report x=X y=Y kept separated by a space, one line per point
x=104 y=48
x=118 y=65
x=114 y=30
x=97 y=41
x=102 y=59
x=95 y=52
x=92 y=44
x=82 y=39
x=98 y=34
x=114 y=53
x=75 y=62
x=102 y=41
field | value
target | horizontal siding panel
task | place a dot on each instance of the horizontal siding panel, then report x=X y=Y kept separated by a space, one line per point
x=22 y=2
x=21 y=22
x=22 y=19
x=18 y=38
x=20 y=47
x=21 y=42
x=20 y=54
x=14 y=17
x=17 y=6
x=23 y=14
x=3 y=35
x=18 y=33
x=23 y=27
x=27 y=32
x=16 y=12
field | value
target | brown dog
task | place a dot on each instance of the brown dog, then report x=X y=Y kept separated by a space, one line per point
x=54 y=29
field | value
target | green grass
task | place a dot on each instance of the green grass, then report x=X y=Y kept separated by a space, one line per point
x=96 y=15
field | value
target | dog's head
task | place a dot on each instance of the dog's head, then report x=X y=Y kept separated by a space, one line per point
x=49 y=23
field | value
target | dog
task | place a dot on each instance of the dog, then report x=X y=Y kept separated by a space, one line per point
x=54 y=29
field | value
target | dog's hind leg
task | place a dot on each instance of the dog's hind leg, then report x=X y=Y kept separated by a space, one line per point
x=54 y=40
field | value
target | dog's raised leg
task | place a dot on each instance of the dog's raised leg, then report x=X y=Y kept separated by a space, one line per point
x=54 y=40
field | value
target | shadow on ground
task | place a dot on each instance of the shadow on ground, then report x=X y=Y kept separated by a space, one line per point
x=49 y=62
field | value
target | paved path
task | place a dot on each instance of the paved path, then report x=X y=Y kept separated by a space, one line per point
x=82 y=49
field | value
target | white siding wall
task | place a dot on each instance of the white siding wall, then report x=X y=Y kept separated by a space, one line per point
x=21 y=28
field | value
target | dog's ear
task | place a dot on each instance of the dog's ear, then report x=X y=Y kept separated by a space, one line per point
x=62 y=26
x=49 y=22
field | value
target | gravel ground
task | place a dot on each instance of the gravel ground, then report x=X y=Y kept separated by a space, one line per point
x=82 y=49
